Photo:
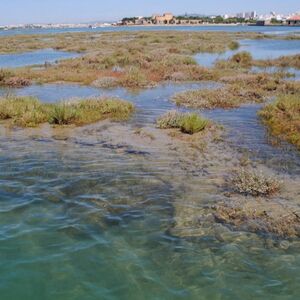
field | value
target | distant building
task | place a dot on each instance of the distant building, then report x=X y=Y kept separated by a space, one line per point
x=294 y=20
x=247 y=15
x=166 y=18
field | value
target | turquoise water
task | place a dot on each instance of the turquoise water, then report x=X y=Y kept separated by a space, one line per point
x=80 y=220
x=82 y=217
x=38 y=57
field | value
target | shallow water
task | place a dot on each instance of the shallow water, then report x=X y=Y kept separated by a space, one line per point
x=150 y=103
x=265 y=29
x=82 y=218
x=38 y=57
x=259 y=49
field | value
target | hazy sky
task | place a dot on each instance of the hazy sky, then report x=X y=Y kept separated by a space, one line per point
x=34 y=11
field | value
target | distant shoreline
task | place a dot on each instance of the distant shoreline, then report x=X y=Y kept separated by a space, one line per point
x=179 y=25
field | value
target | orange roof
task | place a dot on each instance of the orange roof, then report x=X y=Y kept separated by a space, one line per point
x=295 y=18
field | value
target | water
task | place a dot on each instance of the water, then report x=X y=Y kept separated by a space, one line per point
x=151 y=103
x=294 y=74
x=259 y=49
x=264 y=29
x=82 y=216
x=38 y=57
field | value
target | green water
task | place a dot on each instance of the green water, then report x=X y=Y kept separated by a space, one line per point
x=81 y=221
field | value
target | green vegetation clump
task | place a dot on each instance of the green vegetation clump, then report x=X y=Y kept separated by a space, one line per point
x=283 y=118
x=171 y=119
x=23 y=111
x=234 y=45
x=254 y=183
x=189 y=123
x=30 y=112
x=193 y=123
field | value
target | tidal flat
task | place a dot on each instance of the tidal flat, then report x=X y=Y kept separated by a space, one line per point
x=134 y=172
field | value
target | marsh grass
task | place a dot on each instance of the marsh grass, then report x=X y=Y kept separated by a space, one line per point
x=135 y=78
x=30 y=112
x=238 y=89
x=254 y=183
x=130 y=59
x=283 y=118
x=171 y=119
x=192 y=123
x=146 y=58
x=292 y=61
x=189 y=123
x=8 y=79
x=87 y=111
x=23 y=111
x=226 y=98
x=241 y=60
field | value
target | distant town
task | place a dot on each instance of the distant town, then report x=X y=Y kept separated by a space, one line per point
x=246 y=18
x=251 y=18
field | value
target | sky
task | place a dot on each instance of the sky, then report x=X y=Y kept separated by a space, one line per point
x=46 y=11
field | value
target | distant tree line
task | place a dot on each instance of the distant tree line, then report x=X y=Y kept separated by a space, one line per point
x=199 y=19
x=215 y=20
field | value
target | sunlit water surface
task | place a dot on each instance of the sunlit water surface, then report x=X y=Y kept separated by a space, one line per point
x=38 y=57
x=80 y=220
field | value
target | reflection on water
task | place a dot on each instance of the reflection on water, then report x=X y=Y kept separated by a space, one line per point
x=33 y=58
x=259 y=49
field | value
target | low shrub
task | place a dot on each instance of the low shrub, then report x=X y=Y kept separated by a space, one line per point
x=192 y=123
x=171 y=119
x=30 y=112
x=189 y=123
x=243 y=59
x=63 y=114
x=234 y=45
x=23 y=111
x=134 y=78
x=283 y=118
x=87 y=111
x=254 y=183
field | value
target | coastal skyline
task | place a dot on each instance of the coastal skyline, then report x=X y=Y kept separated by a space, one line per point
x=34 y=11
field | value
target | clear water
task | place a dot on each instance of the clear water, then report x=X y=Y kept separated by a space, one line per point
x=80 y=220
x=150 y=103
x=265 y=29
x=259 y=49
x=39 y=57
